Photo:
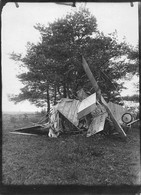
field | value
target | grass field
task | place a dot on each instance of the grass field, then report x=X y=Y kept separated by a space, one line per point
x=97 y=160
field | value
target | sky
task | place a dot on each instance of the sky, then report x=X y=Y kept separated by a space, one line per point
x=18 y=29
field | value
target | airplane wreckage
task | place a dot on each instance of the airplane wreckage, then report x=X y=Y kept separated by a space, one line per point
x=89 y=114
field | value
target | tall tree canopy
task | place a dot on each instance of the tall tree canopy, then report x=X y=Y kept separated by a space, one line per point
x=54 y=65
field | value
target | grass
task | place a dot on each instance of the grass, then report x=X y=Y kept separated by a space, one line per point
x=73 y=159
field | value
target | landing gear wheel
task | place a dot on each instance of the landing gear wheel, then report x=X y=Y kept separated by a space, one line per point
x=127 y=118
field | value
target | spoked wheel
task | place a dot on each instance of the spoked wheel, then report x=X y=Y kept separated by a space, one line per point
x=127 y=118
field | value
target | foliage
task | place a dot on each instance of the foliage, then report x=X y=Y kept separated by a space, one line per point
x=134 y=60
x=134 y=98
x=54 y=65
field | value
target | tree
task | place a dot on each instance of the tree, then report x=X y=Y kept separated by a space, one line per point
x=134 y=98
x=36 y=81
x=54 y=65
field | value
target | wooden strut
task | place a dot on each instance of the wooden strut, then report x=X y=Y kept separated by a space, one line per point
x=100 y=97
x=133 y=122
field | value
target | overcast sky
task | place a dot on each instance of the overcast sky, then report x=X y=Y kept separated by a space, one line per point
x=17 y=30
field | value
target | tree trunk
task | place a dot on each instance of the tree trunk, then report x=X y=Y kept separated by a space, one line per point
x=48 y=100
x=54 y=94
x=58 y=89
x=67 y=87
x=65 y=91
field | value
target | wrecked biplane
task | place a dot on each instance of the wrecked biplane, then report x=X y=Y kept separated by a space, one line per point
x=87 y=113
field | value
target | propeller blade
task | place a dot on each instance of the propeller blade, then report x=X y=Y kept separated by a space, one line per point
x=100 y=97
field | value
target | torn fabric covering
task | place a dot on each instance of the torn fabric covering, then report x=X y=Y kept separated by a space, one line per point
x=68 y=108
x=53 y=115
x=57 y=123
x=117 y=111
x=98 y=112
x=97 y=124
x=54 y=119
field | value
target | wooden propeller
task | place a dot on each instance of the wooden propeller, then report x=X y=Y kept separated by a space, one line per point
x=100 y=97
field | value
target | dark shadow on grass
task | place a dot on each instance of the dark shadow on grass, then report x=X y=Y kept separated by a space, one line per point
x=33 y=130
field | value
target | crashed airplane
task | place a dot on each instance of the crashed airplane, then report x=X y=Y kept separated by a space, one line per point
x=87 y=113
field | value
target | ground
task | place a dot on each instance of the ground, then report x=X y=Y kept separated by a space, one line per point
x=72 y=159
